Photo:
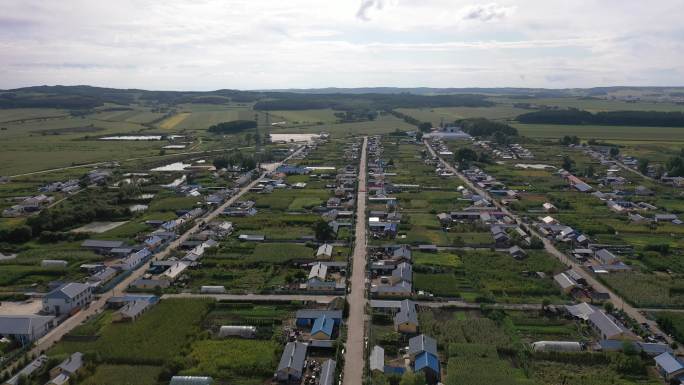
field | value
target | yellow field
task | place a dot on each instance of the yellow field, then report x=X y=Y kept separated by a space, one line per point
x=173 y=121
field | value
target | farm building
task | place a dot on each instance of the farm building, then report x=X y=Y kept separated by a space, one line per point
x=402 y=273
x=175 y=271
x=25 y=328
x=191 y=380
x=212 y=289
x=54 y=264
x=307 y=317
x=651 y=349
x=517 y=253
x=27 y=370
x=322 y=328
x=605 y=257
x=291 y=366
x=401 y=289
x=669 y=366
x=549 y=207
x=101 y=247
x=556 y=346
x=377 y=359
x=150 y=283
x=131 y=311
x=607 y=327
x=69 y=367
x=67 y=298
x=103 y=276
x=565 y=282
x=325 y=250
x=252 y=237
x=327 y=373
x=406 y=320
x=237 y=331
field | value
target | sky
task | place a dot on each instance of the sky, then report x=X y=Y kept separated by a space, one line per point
x=270 y=44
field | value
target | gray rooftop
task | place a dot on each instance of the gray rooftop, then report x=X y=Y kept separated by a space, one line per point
x=422 y=343
x=293 y=356
x=327 y=373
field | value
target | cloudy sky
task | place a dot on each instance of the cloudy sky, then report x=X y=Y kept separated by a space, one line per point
x=257 y=44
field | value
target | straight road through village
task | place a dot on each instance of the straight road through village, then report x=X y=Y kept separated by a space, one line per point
x=354 y=357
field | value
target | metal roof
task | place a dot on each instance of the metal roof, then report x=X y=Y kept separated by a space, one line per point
x=422 y=343
x=69 y=290
x=314 y=313
x=327 y=373
x=72 y=364
x=426 y=360
x=606 y=324
x=403 y=272
x=293 y=356
x=191 y=380
x=407 y=314
x=377 y=358
x=102 y=244
x=323 y=324
x=22 y=324
x=668 y=363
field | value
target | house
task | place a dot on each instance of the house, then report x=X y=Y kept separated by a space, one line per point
x=25 y=328
x=174 y=272
x=103 y=276
x=669 y=366
x=101 y=247
x=322 y=328
x=581 y=311
x=606 y=257
x=665 y=218
x=68 y=367
x=401 y=289
x=402 y=273
x=550 y=208
x=517 y=253
x=428 y=364
x=565 y=282
x=67 y=298
x=327 y=375
x=420 y=344
x=27 y=370
x=377 y=359
x=607 y=327
x=325 y=250
x=131 y=311
x=291 y=366
x=306 y=317
x=406 y=320
x=191 y=380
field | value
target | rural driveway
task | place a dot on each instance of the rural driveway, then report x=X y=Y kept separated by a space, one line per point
x=618 y=301
x=354 y=357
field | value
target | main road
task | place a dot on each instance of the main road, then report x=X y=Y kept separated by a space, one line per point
x=354 y=357
x=96 y=306
x=618 y=301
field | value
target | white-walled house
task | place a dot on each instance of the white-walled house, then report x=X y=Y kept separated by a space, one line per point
x=66 y=298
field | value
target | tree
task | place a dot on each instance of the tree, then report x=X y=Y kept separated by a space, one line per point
x=419 y=136
x=568 y=163
x=589 y=171
x=614 y=151
x=425 y=127
x=323 y=231
x=643 y=165
x=609 y=307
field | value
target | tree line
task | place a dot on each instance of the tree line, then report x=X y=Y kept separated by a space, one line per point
x=606 y=118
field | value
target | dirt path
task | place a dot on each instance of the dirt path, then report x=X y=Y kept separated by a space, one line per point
x=354 y=358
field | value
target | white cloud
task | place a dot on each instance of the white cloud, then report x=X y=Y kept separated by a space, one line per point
x=211 y=44
x=486 y=12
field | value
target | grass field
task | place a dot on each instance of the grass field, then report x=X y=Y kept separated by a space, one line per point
x=606 y=133
x=124 y=375
x=450 y=114
x=303 y=117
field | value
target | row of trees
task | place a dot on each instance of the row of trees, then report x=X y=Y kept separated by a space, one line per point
x=232 y=127
x=608 y=118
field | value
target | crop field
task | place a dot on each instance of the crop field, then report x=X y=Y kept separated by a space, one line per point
x=177 y=333
x=382 y=125
x=594 y=105
x=618 y=134
x=173 y=121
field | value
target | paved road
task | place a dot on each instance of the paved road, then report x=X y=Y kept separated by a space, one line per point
x=96 y=306
x=323 y=299
x=354 y=358
x=618 y=301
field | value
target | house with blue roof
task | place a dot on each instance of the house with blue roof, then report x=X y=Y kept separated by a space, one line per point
x=669 y=366
x=427 y=363
x=322 y=328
